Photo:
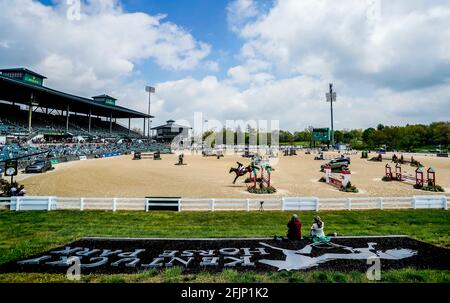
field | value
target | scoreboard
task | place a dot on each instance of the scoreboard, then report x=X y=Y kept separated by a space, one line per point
x=321 y=134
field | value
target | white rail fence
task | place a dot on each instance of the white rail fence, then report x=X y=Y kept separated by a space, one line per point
x=225 y=204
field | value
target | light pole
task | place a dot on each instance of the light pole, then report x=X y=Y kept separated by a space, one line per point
x=206 y=121
x=149 y=90
x=331 y=97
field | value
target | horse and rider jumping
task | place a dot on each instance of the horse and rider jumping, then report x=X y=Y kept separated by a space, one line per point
x=242 y=170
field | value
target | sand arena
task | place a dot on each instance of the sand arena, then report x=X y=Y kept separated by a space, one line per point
x=208 y=177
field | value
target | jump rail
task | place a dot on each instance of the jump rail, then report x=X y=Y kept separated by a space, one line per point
x=225 y=204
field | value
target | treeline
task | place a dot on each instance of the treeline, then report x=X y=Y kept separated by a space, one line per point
x=406 y=138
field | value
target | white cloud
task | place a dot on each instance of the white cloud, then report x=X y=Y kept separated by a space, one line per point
x=240 y=75
x=401 y=48
x=103 y=46
x=280 y=100
x=298 y=102
x=241 y=11
x=390 y=68
x=212 y=66
x=389 y=62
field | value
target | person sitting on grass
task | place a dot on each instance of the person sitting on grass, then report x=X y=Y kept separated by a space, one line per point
x=317 y=233
x=294 y=228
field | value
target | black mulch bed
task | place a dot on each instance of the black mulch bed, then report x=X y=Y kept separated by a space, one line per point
x=425 y=256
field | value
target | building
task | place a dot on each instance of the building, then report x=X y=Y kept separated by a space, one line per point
x=27 y=107
x=166 y=133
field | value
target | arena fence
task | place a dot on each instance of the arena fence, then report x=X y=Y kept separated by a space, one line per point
x=225 y=204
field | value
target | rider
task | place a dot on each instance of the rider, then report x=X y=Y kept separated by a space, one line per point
x=240 y=168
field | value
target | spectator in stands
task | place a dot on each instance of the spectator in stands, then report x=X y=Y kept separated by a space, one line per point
x=13 y=191
x=294 y=228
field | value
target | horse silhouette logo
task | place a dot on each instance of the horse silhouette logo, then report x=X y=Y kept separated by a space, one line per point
x=302 y=259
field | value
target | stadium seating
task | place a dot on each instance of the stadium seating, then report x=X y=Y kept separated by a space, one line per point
x=14 y=120
x=15 y=150
x=14 y=123
x=10 y=151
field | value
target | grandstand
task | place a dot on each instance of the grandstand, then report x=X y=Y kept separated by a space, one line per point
x=42 y=122
x=13 y=121
x=69 y=152
x=29 y=109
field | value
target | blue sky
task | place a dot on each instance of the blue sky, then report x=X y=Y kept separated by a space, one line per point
x=243 y=59
x=204 y=19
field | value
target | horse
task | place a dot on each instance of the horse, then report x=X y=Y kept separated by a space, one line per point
x=240 y=171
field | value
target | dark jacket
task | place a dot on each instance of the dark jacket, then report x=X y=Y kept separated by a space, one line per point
x=294 y=230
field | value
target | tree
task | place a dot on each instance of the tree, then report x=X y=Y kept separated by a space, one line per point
x=338 y=136
x=137 y=130
x=441 y=134
x=286 y=137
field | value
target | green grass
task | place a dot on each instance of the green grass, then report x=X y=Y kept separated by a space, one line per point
x=173 y=275
x=23 y=234
x=305 y=144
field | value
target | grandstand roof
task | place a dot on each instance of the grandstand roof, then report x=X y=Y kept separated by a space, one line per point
x=169 y=125
x=103 y=96
x=18 y=91
x=21 y=69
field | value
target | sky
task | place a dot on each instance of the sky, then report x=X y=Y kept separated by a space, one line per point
x=244 y=60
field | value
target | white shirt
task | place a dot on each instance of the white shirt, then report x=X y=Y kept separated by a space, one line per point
x=317 y=231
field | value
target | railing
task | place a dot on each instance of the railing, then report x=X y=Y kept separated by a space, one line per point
x=225 y=204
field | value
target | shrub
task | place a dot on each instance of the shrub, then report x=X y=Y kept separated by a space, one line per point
x=349 y=188
x=385 y=179
x=262 y=190
x=418 y=186
x=433 y=188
